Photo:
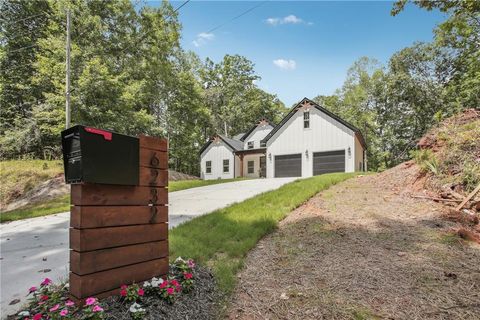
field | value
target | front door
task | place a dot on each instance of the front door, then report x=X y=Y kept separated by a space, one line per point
x=263 y=167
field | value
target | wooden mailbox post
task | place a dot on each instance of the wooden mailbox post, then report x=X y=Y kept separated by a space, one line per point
x=119 y=233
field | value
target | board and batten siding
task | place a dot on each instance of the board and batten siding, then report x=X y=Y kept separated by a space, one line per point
x=217 y=152
x=257 y=135
x=324 y=134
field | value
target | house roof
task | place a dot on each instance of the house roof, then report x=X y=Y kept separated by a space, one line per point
x=238 y=136
x=305 y=101
x=234 y=144
x=259 y=122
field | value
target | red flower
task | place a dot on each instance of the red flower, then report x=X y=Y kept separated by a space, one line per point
x=163 y=284
x=123 y=292
x=38 y=316
x=174 y=282
x=170 y=290
x=44 y=298
x=141 y=292
x=187 y=275
x=124 y=286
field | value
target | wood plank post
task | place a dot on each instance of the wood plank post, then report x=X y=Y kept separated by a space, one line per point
x=119 y=234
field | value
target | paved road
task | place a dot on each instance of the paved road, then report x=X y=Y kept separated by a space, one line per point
x=33 y=249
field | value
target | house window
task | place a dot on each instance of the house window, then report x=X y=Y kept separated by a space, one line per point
x=250 y=165
x=226 y=165
x=208 y=166
x=306 y=119
x=250 y=144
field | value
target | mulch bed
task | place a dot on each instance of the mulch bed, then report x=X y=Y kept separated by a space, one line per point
x=201 y=303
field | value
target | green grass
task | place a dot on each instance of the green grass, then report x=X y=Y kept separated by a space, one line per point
x=222 y=238
x=56 y=205
x=187 y=184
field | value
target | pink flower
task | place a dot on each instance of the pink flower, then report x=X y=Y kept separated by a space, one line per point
x=97 y=308
x=187 y=275
x=174 y=282
x=64 y=312
x=69 y=303
x=38 y=316
x=123 y=286
x=191 y=264
x=44 y=298
x=90 y=301
x=46 y=282
x=32 y=289
x=141 y=292
x=163 y=284
x=123 y=292
x=170 y=290
x=54 y=308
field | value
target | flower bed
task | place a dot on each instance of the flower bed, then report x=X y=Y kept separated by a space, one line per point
x=187 y=292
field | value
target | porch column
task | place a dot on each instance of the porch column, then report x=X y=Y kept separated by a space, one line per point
x=241 y=164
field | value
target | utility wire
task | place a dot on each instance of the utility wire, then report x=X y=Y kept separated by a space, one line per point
x=26 y=18
x=238 y=16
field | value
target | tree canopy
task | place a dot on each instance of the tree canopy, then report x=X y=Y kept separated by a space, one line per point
x=128 y=74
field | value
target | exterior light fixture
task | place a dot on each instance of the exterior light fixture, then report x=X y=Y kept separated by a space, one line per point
x=349 y=152
x=270 y=156
x=306 y=153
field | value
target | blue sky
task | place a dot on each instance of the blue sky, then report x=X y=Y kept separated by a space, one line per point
x=302 y=48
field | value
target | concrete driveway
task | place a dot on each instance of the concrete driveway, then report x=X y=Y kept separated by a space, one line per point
x=36 y=248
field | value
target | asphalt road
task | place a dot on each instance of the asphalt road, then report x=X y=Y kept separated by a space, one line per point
x=36 y=248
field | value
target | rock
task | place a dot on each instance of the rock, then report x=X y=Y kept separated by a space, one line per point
x=401 y=254
x=284 y=296
x=14 y=301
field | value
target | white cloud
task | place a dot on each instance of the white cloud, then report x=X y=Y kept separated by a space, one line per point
x=285 y=64
x=290 y=19
x=203 y=38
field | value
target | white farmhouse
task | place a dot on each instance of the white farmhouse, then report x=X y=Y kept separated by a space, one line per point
x=310 y=140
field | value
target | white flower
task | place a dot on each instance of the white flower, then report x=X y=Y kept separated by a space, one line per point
x=147 y=284
x=134 y=308
x=156 y=282
x=24 y=313
x=179 y=259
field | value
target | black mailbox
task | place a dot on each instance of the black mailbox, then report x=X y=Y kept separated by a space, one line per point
x=98 y=156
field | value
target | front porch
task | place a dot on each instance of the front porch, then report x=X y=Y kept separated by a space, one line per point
x=251 y=163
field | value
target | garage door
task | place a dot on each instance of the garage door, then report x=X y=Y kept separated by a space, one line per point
x=289 y=165
x=330 y=161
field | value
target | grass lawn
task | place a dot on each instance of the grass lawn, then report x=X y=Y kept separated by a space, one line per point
x=222 y=239
x=187 y=184
x=56 y=205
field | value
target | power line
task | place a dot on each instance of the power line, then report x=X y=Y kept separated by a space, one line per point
x=26 y=18
x=22 y=48
x=238 y=16
x=180 y=6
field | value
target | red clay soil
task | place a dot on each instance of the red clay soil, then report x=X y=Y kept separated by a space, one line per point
x=364 y=249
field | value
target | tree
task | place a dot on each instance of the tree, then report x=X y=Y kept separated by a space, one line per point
x=231 y=95
x=458 y=39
